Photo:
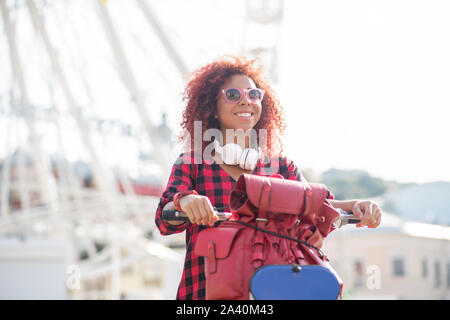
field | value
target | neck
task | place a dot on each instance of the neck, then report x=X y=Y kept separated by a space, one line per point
x=240 y=137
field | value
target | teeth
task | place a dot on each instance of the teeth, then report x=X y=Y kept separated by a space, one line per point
x=244 y=114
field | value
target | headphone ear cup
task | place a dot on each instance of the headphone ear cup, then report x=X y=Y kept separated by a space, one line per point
x=231 y=153
x=248 y=159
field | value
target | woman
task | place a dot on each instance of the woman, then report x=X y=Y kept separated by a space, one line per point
x=229 y=94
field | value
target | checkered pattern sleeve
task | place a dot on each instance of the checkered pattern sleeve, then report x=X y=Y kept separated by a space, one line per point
x=180 y=179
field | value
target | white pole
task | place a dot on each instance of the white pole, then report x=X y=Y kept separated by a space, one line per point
x=170 y=48
x=6 y=176
x=43 y=170
x=115 y=260
x=104 y=177
x=129 y=81
x=22 y=170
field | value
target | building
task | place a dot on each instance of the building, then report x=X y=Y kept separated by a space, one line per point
x=398 y=260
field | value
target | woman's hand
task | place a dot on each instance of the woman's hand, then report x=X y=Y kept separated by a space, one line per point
x=198 y=209
x=368 y=212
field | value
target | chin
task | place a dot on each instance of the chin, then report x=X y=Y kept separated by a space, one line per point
x=244 y=128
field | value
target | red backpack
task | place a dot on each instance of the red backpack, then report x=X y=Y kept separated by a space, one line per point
x=278 y=221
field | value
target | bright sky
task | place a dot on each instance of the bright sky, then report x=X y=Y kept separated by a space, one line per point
x=364 y=84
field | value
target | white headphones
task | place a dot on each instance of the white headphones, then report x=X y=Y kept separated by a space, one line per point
x=232 y=154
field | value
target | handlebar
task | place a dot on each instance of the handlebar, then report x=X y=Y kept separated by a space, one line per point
x=345 y=217
x=174 y=215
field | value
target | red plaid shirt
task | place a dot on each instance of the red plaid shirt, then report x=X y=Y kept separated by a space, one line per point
x=210 y=180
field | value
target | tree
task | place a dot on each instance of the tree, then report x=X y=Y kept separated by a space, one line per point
x=347 y=184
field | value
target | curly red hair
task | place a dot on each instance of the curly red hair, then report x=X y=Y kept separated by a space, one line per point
x=201 y=94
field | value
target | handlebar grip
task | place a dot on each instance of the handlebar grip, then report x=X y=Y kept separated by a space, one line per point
x=347 y=218
x=174 y=215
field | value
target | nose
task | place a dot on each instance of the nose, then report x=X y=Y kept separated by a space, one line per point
x=245 y=100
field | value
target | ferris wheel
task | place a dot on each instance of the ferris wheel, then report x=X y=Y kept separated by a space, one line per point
x=50 y=96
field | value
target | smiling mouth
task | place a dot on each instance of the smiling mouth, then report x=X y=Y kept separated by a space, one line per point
x=243 y=114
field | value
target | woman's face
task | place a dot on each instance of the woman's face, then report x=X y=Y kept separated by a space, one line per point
x=242 y=115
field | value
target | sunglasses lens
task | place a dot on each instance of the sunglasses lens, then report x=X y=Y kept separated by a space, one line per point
x=233 y=95
x=255 y=95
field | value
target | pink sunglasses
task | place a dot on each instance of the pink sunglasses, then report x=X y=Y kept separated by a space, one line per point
x=233 y=95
